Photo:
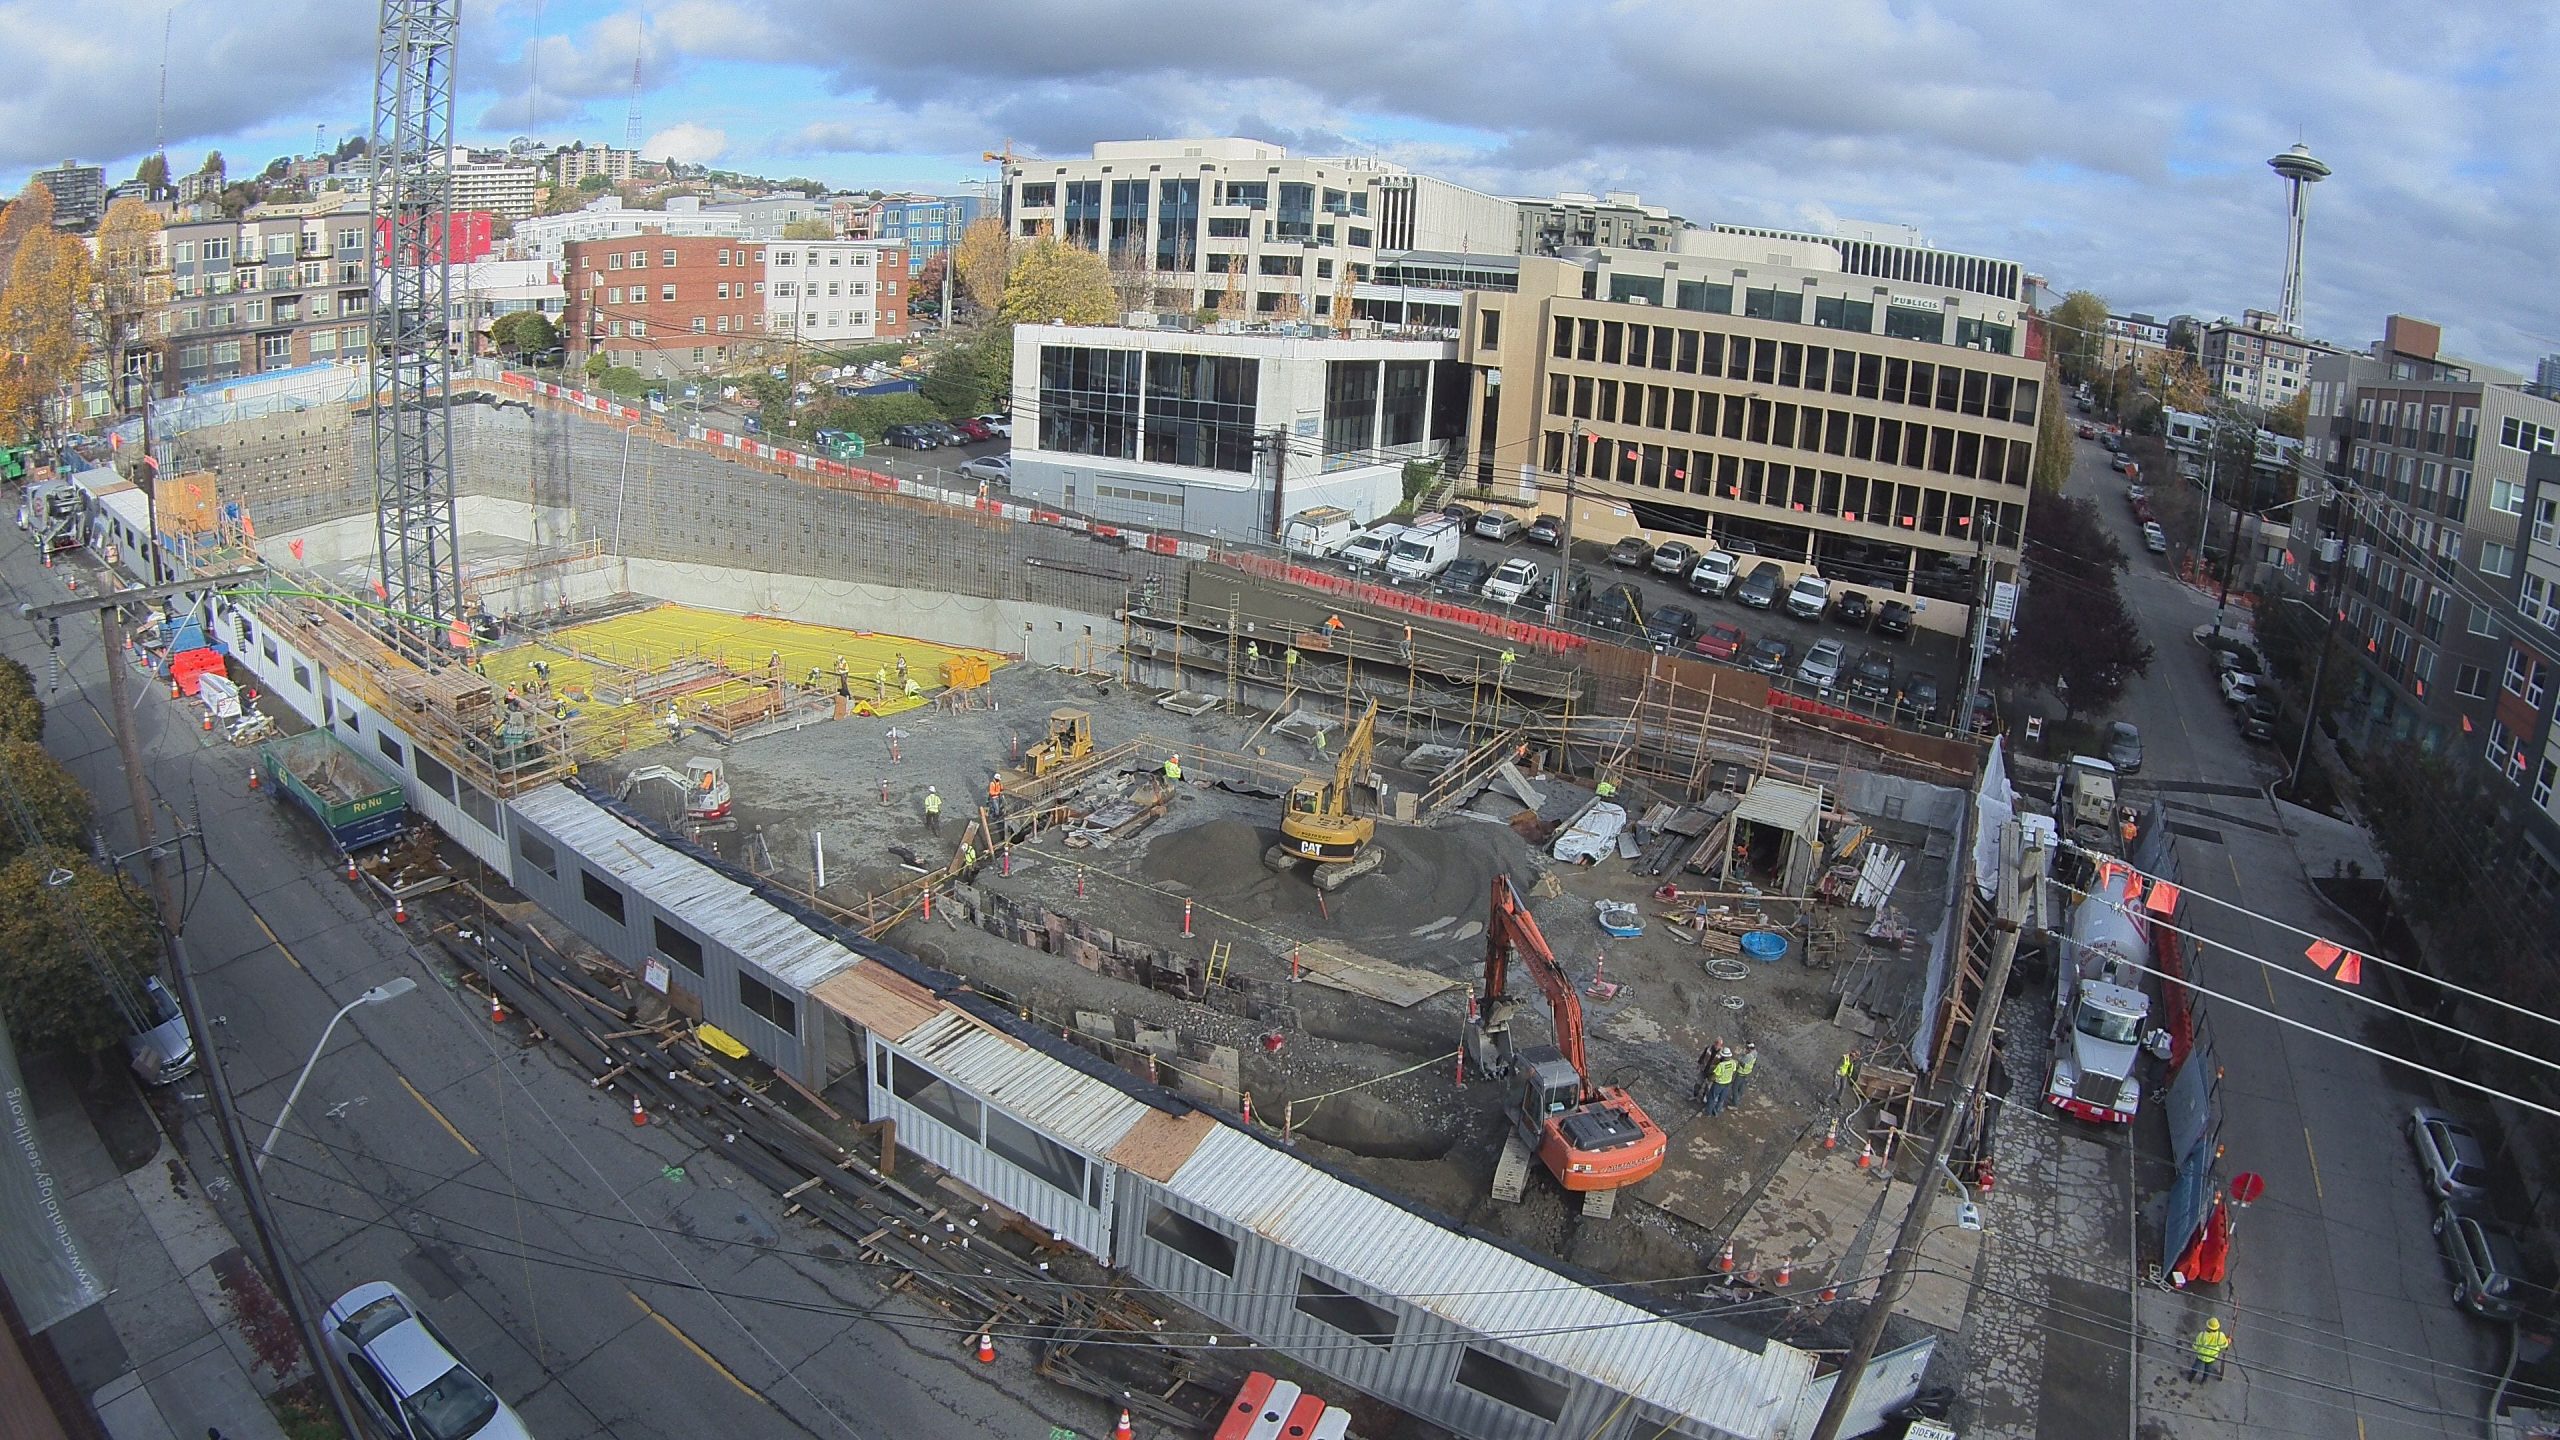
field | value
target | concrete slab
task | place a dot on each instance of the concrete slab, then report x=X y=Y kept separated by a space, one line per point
x=1821 y=1216
x=170 y=1204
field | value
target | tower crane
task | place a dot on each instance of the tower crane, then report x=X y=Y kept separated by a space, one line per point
x=1595 y=1139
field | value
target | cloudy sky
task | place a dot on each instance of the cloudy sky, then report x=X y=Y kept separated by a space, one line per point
x=2118 y=148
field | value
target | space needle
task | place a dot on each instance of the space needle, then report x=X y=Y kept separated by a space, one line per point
x=2301 y=171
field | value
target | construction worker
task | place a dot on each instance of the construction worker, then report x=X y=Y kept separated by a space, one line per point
x=813 y=677
x=842 y=668
x=995 y=796
x=1333 y=627
x=1289 y=664
x=912 y=690
x=932 y=810
x=1173 y=769
x=1743 y=1065
x=1408 y=639
x=1720 y=1082
x=1508 y=657
x=902 y=665
x=1606 y=789
x=1841 y=1077
x=2211 y=1342
x=2130 y=827
x=674 y=723
x=968 y=859
x=880 y=683
x=1706 y=1069
x=1253 y=656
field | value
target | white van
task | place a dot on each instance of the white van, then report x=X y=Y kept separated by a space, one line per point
x=1424 y=551
x=1368 y=549
x=1317 y=533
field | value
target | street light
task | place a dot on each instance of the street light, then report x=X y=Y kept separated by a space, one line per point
x=387 y=990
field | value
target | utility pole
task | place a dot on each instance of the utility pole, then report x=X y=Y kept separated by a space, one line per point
x=1969 y=1070
x=1564 y=533
x=2321 y=596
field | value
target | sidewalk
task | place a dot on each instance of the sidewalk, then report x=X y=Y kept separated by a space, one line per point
x=173 y=1350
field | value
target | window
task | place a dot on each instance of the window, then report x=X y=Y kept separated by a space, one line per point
x=538 y=853
x=668 y=292
x=2496 y=559
x=1346 y=1312
x=301 y=674
x=613 y=261
x=667 y=257
x=932 y=1095
x=697 y=329
x=2506 y=496
x=769 y=1004
x=2524 y=435
x=1037 y=1155
x=1189 y=1238
x=1501 y=1380
x=601 y=895
x=676 y=945
x=390 y=749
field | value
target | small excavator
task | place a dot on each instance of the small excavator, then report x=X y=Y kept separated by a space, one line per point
x=1595 y=1139
x=706 y=789
x=1316 y=823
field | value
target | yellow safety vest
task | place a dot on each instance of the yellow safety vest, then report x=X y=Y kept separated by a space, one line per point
x=1724 y=1072
x=933 y=804
x=2210 y=1344
x=1750 y=1061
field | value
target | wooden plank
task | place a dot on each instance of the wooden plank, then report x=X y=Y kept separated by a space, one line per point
x=1370 y=977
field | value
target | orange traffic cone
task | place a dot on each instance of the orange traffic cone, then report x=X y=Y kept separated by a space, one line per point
x=1122 y=1431
x=497 y=1009
x=208 y=720
x=253 y=779
x=351 y=868
x=986 y=1348
x=638 y=1115
x=1786 y=1268
x=1831 y=1137
x=1866 y=1154
x=174 y=692
x=399 y=911
x=1830 y=1293
x=1248 y=1107
x=1724 y=1262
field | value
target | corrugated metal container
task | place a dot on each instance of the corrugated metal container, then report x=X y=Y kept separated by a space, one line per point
x=1549 y=1323
x=1015 y=1086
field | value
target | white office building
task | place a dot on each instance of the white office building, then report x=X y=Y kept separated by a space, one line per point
x=825 y=291
x=1226 y=434
x=2256 y=361
x=766 y=216
x=541 y=237
x=1286 y=236
x=506 y=191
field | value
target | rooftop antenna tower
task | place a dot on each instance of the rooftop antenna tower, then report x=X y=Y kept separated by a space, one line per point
x=2300 y=172
x=160 y=117
x=412 y=353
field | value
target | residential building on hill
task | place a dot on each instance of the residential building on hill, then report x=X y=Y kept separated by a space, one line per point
x=503 y=188
x=766 y=216
x=284 y=286
x=546 y=237
x=670 y=305
x=79 y=193
x=1572 y=220
x=571 y=164
x=2256 y=361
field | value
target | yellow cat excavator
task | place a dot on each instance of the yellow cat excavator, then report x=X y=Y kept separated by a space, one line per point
x=1316 y=823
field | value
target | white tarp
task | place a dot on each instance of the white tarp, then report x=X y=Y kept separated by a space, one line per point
x=1994 y=804
x=1592 y=835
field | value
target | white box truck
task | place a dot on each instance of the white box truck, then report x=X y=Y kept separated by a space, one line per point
x=1319 y=533
x=1424 y=552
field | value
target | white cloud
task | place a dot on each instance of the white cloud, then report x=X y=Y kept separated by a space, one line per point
x=693 y=144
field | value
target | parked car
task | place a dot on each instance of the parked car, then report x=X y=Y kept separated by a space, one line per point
x=410 y=1378
x=1671 y=627
x=1809 y=596
x=2114 y=445
x=2125 y=463
x=2258 y=719
x=1499 y=525
x=999 y=425
x=909 y=437
x=1632 y=553
x=1760 y=590
x=1542 y=592
x=1919 y=698
x=2088 y=431
x=1722 y=640
x=1465 y=576
x=1893 y=620
x=1872 y=677
x=1982 y=716
x=973 y=429
x=1618 y=608
x=1674 y=559
x=2239 y=687
x=1544 y=530
x=2124 y=747
x=2137 y=493
x=2450 y=1157
x=1851 y=608
x=1507 y=585
x=996 y=469
x=1713 y=574
x=1820 y=667
x=943 y=434
x=2483 y=1257
x=1769 y=655
x=1465 y=515
x=2154 y=539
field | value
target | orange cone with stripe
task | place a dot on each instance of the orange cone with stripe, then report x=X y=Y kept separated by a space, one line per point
x=986 y=1348
x=1866 y=1154
x=638 y=1115
x=399 y=911
x=1122 y=1431
x=497 y=1009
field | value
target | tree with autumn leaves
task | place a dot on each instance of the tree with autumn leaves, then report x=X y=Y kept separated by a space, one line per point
x=63 y=307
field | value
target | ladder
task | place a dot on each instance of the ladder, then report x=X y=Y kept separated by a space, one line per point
x=1219 y=951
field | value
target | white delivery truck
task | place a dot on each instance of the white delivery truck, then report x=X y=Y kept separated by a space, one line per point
x=1424 y=552
x=1318 y=533
x=1369 y=549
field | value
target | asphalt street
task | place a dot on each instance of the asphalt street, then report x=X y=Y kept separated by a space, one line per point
x=610 y=1281
x=2338 y=1296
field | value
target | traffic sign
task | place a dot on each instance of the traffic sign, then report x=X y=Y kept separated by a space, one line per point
x=2247 y=1186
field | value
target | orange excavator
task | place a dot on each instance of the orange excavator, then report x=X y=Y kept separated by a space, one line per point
x=1595 y=1139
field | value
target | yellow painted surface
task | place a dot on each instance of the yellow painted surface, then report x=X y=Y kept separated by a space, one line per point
x=581 y=656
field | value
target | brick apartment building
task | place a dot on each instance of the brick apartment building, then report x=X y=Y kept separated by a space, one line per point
x=287 y=285
x=673 y=305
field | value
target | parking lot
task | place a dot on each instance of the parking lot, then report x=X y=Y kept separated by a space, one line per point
x=1936 y=655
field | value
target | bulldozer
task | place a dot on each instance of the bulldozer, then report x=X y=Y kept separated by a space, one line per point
x=1594 y=1139
x=1070 y=739
x=1316 y=823
x=706 y=789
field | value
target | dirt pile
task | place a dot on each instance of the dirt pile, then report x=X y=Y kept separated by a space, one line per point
x=1429 y=877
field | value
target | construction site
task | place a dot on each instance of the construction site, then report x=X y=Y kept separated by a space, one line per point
x=1461 y=913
